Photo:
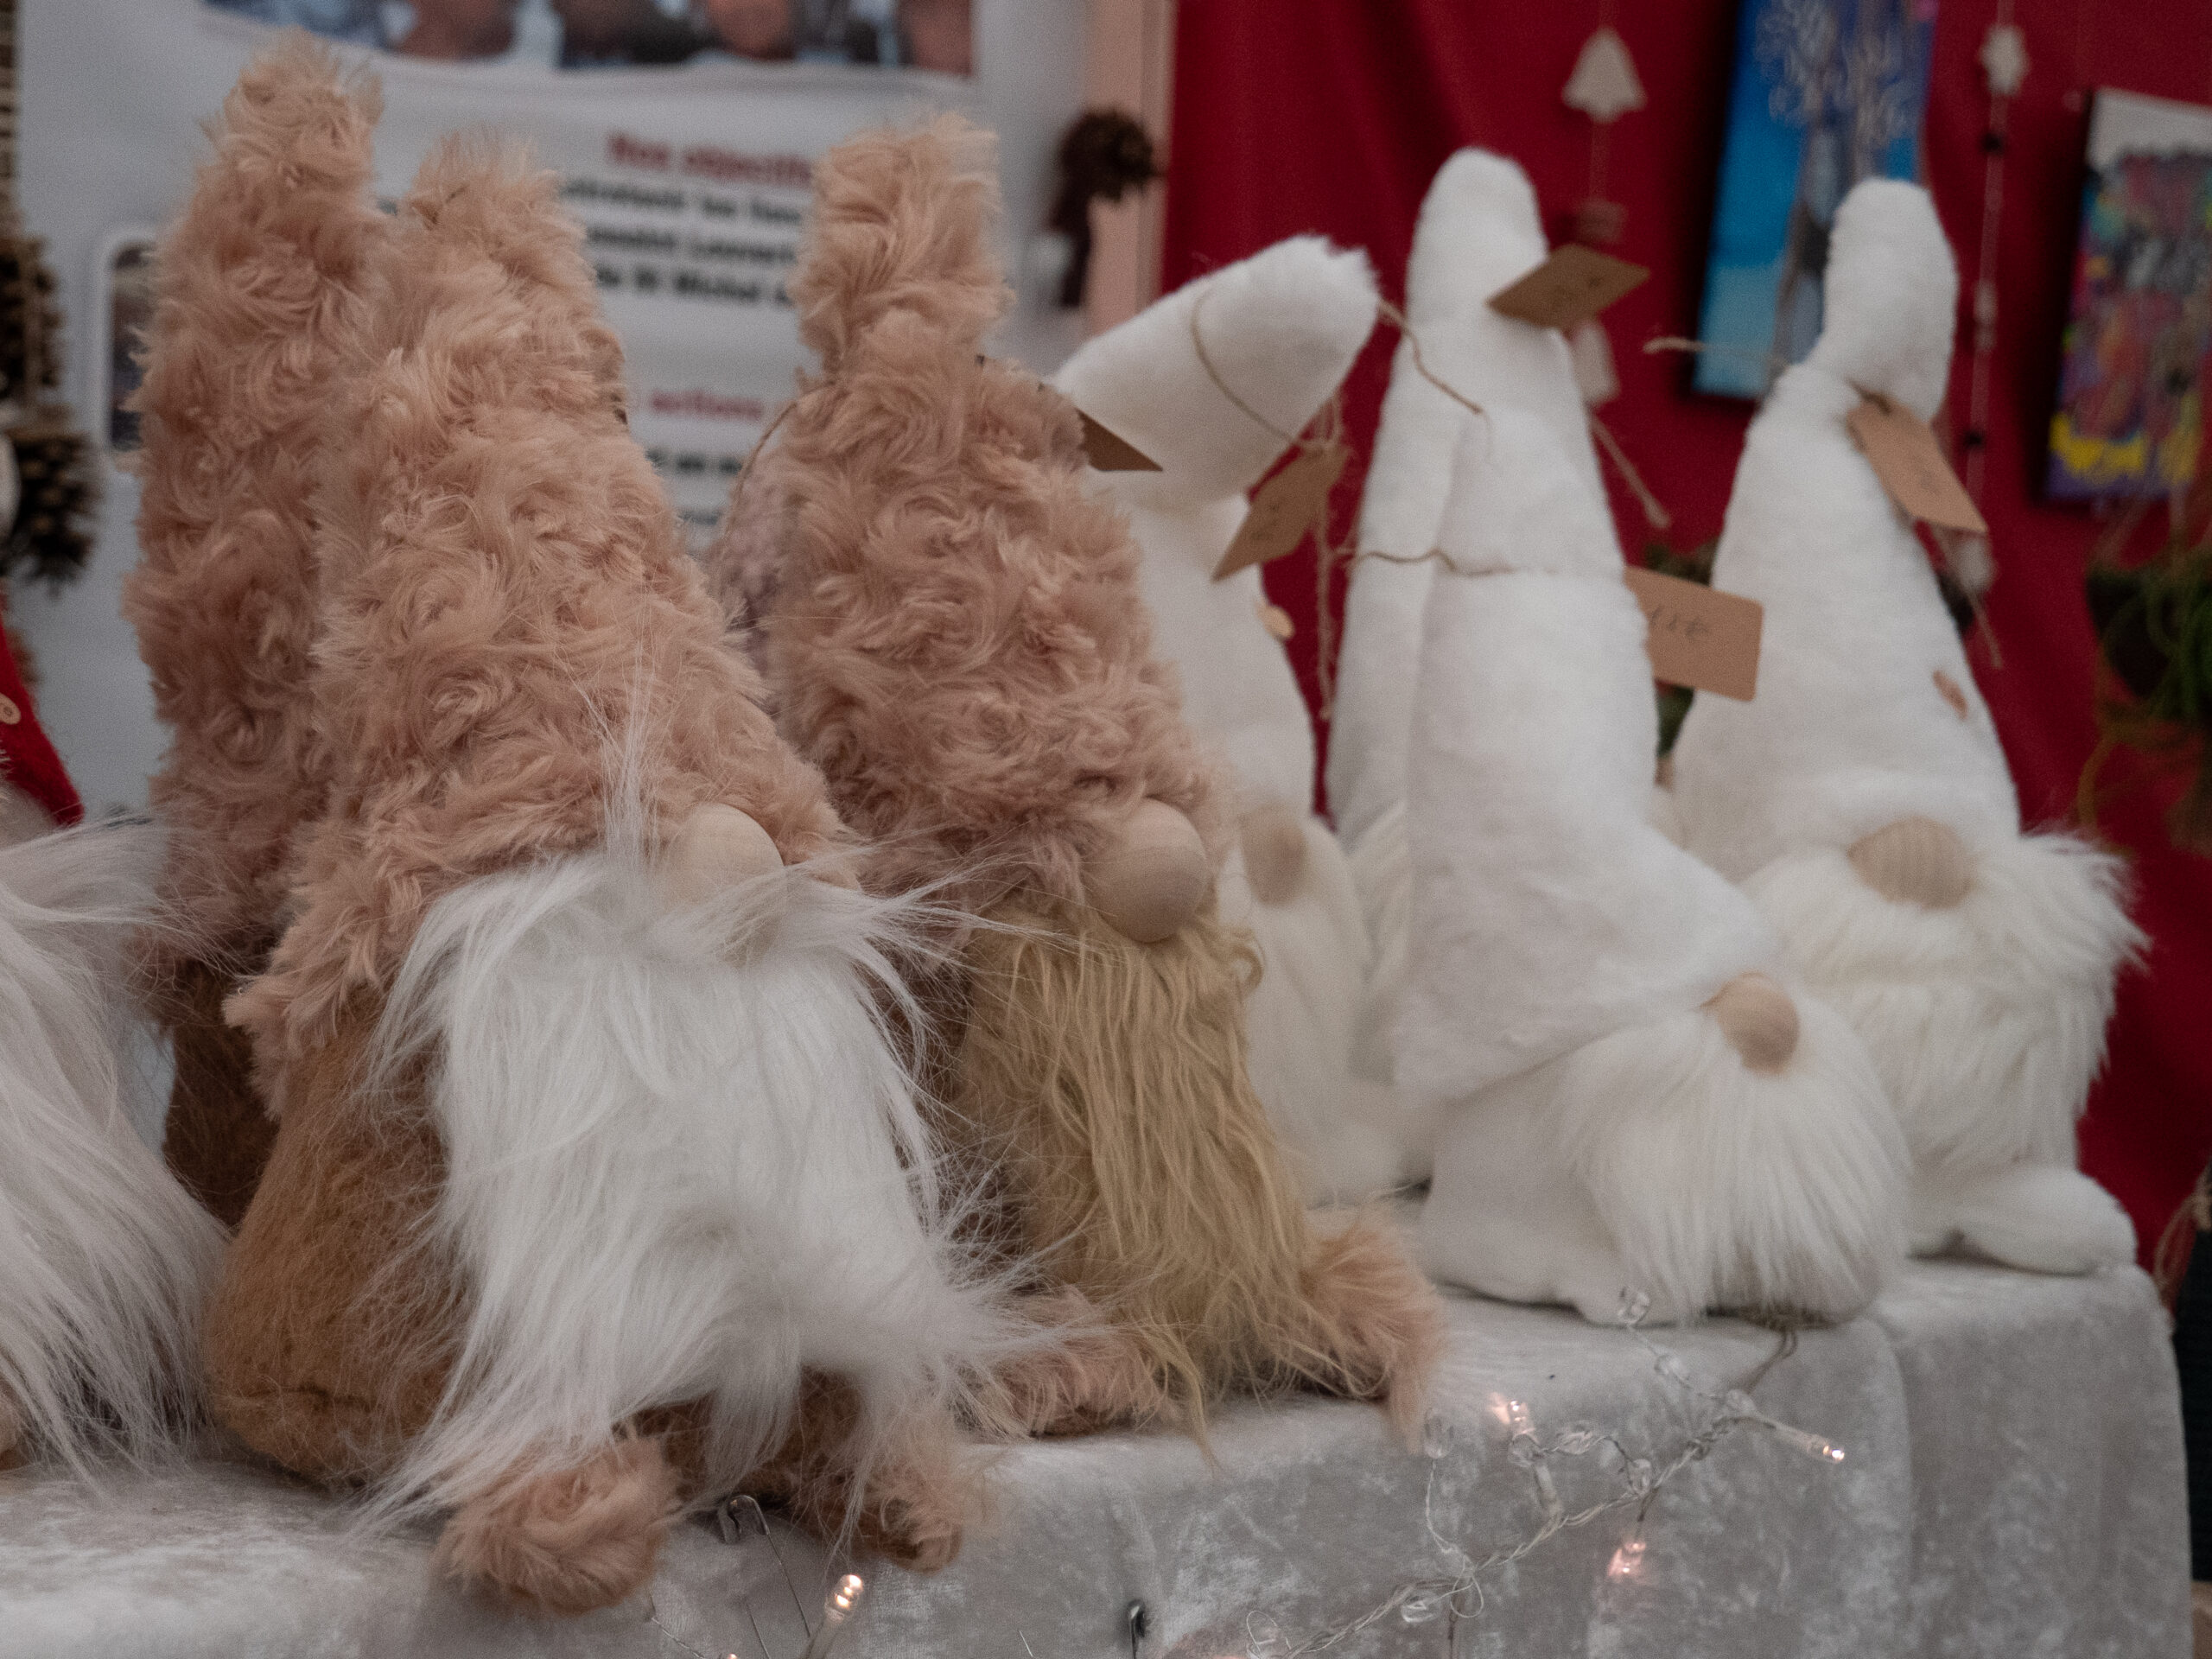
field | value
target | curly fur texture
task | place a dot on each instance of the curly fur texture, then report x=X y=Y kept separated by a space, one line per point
x=505 y=590
x=957 y=638
x=1104 y=1082
x=105 y=1261
x=572 y=1540
x=264 y=302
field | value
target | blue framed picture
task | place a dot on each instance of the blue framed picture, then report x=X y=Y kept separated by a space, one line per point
x=1826 y=93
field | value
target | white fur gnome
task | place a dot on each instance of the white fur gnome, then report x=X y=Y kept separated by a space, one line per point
x=1631 y=1096
x=1864 y=803
x=1278 y=331
x=104 y=1259
x=1478 y=231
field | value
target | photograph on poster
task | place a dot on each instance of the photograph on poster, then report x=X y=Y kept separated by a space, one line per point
x=934 y=34
x=1826 y=93
x=2131 y=409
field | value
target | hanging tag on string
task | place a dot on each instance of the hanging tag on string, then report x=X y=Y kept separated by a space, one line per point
x=1905 y=455
x=1287 y=506
x=1109 y=452
x=1572 y=286
x=1699 y=636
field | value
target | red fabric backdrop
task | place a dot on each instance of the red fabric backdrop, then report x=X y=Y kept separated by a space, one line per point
x=1331 y=115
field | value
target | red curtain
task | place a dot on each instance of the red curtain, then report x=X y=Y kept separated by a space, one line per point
x=1331 y=115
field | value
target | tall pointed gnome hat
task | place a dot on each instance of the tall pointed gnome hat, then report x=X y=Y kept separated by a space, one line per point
x=1478 y=231
x=1866 y=711
x=504 y=595
x=1213 y=382
x=1547 y=911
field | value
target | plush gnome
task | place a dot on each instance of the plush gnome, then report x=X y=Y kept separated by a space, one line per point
x=956 y=634
x=1633 y=1097
x=262 y=303
x=595 y=1161
x=1211 y=381
x=1863 y=801
x=105 y=1260
x=1479 y=232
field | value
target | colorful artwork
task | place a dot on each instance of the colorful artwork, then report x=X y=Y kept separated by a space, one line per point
x=1826 y=93
x=2130 y=420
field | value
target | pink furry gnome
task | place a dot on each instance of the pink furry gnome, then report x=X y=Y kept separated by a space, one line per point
x=262 y=300
x=597 y=1176
x=955 y=633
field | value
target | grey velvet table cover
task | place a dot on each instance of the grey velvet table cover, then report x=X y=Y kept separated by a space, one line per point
x=2012 y=1486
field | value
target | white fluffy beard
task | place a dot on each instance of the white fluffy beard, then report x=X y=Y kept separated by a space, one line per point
x=105 y=1260
x=1654 y=1160
x=685 y=1161
x=1985 y=1020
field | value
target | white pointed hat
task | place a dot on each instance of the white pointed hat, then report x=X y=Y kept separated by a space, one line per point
x=1866 y=711
x=1278 y=332
x=1479 y=232
x=1547 y=911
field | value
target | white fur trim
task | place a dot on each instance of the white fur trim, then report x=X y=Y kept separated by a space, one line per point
x=1655 y=1160
x=105 y=1260
x=1986 y=1020
x=683 y=1161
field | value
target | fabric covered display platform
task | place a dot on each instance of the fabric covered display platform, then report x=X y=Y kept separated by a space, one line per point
x=2010 y=1484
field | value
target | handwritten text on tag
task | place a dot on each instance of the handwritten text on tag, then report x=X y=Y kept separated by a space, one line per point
x=1700 y=636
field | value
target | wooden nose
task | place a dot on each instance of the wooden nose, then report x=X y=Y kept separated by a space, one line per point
x=1273 y=835
x=1758 y=1020
x=717 y=847
x=1152 y=878
x=1916 y=860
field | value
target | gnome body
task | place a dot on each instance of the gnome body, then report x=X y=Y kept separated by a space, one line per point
x=105 y=1260
x=1479 y=232
x=1278 y=331
x=597 y=1174
x=1633 y=1097
x=262 y=303
x=1862 y=798
x=957 y=635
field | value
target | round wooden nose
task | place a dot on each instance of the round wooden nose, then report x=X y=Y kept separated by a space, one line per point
x=717 y=847
x=1274 y=838
x=1916 y=860
x=1152 y=878
x=1758 y=1020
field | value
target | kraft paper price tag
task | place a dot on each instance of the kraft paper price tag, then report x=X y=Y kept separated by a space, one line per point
x=1903 y=451
x=1571 y=287
x=1699 y=636
x=1285 y=507
x=1109 y=452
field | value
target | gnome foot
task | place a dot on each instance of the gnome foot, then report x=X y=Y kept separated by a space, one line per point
x=569 y=1541
x=1096 y=1376
x=1376 y=1318
x=907 y=1500
x=2043 y=1217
